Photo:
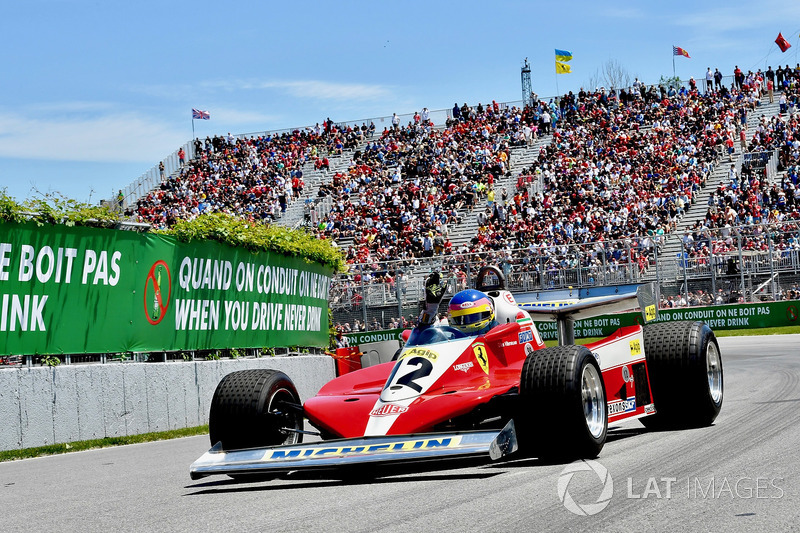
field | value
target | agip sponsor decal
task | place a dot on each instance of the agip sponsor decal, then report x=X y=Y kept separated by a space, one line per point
x=342 y=451
x=636 y=347
x=420 y=352
x=650 y=313
x=624 y=406
x=388 y=409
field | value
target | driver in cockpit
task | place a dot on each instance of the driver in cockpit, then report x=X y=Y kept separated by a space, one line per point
x=470 y=311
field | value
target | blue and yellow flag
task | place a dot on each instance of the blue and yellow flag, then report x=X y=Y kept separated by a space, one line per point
x=562 y=68
x=563 y=55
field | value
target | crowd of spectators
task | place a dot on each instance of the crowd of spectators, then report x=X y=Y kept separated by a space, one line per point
x=405 y=189
x=618 y=170
x=747 y=199
x=729 y=294
x=256 y=178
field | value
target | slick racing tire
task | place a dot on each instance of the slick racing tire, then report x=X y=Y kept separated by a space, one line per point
x=255 y=408
x=684 y=364
x=563 y=412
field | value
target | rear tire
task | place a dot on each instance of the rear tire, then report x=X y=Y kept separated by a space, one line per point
x=684 y=364
x=563 y=412
x=250 y=408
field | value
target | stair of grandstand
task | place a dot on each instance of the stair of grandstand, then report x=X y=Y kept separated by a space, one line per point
x=313 y=178
x=521 y=158
x=670 y=252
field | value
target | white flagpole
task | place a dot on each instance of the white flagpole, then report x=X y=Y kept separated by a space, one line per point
x=556 y=67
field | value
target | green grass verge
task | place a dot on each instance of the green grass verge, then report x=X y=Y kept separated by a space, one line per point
x=784 y=330
x=54 y=449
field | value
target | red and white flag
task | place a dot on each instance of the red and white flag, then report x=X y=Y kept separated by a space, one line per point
x=782 y=43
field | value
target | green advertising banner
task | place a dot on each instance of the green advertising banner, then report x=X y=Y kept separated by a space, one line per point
x=85 y=290
x=365 y=337
x=734 y=316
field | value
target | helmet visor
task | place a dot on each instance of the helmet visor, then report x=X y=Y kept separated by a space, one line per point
x=471 y=318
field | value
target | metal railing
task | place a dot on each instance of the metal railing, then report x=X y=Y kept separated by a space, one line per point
x=153 y=178
x=746 y=263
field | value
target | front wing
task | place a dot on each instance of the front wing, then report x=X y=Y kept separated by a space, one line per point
x=339 y=453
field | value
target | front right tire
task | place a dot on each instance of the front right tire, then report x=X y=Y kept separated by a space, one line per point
x=255 y=408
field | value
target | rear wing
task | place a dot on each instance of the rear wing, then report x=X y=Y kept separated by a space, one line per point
x=565 y=307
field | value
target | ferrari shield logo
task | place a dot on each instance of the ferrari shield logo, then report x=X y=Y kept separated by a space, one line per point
x=480 y=354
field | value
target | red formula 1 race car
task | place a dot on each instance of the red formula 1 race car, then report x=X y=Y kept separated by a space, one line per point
x=452 y=395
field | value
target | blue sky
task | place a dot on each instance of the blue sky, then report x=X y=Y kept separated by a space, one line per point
x=94 y=94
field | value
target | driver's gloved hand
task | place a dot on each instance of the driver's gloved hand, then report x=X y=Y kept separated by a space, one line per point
x=434 y=292
x=434 y=289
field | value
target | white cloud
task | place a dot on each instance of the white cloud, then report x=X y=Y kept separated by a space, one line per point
x=332 y=91
x=235 y=116
x=622 y=12
x=732 y=18
x=316 y=89
x=111 y=137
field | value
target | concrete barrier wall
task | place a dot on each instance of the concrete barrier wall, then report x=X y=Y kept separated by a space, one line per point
x=42 y=405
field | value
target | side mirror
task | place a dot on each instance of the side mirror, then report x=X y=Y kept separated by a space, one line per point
x=499 y=332
x=406 y=334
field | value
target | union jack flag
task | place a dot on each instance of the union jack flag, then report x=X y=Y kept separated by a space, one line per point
x=200 y=115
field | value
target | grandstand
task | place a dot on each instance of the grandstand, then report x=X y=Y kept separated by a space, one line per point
x=592 y=188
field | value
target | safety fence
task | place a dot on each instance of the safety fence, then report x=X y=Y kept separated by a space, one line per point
x=727 y=265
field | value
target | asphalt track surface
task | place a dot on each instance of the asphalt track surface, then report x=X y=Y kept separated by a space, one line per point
x=741 y=474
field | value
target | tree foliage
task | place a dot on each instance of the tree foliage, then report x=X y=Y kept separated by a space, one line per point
x=234 y=231
x=610 y=74
x=54 y=208
x=669 y=81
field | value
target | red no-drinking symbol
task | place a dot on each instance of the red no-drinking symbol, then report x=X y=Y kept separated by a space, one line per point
x=791 y=313
x=155 y=305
